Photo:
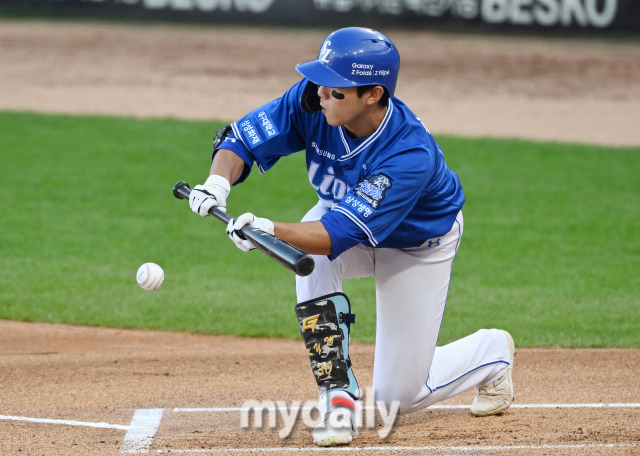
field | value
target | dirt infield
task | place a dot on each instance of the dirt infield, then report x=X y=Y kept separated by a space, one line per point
x=90 y=382
x=69 y=390
x=547 y=89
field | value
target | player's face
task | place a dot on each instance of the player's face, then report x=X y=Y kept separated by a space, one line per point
x=342 y=106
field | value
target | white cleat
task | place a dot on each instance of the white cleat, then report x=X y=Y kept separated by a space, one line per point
x=335 y=430
x=497 y=396
x=338 y=427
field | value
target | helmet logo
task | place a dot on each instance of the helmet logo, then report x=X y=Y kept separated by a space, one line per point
x=325 y=51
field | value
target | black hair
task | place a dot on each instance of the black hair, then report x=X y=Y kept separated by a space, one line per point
x=384 y=99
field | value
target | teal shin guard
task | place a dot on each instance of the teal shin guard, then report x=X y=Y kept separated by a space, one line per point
x=324 y=324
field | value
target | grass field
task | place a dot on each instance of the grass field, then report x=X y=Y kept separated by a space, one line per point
x=550 y=250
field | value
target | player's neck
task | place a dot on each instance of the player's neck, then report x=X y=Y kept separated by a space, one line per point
x=366 y=124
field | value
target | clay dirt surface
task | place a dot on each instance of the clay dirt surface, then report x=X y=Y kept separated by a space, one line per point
x=68 y=390
x=473 y=85
x=102 y=375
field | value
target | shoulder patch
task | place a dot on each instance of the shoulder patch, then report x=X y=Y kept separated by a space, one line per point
x=267 y=125
x=257 y=129
x=372 y=189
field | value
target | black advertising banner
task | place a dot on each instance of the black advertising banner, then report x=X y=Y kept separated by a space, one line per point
x=621 y=16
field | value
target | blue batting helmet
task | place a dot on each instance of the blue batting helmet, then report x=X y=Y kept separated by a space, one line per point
x=352 y=57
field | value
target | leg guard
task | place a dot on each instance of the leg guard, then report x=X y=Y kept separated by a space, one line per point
x=324 y=325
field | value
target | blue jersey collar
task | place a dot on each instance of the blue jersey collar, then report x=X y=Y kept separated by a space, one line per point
x=368 y=141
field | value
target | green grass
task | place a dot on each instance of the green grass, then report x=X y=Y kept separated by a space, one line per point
x=550 y=250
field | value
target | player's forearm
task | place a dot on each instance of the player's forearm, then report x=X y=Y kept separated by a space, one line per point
x=310 y=237
x=228 y=165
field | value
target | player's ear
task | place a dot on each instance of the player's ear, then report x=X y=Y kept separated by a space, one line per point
x=375 y=94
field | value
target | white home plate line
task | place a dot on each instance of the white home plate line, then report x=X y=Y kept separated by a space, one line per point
x=310 y=449
x=143 y=427
x=145 y=422
x=245 y=409
x=65 y=422
x=433 y=407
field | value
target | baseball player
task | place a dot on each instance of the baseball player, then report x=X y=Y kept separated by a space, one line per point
x=388 y=207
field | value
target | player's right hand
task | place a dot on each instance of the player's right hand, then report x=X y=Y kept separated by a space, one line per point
x=235 y=226
x=213 y=193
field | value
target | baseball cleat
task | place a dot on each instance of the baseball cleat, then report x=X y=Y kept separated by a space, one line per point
x=497 y=396
x=338 y=426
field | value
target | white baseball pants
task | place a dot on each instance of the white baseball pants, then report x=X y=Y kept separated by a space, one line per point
x=411 y=293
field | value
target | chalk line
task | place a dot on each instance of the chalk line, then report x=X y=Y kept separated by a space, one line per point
x=145 y=423
x=433 y=407
x=310 y=449
x=143 y=427
x=65 y=422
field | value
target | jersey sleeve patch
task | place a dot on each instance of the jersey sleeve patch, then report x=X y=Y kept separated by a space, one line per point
x=372 y=189
x=257 y=129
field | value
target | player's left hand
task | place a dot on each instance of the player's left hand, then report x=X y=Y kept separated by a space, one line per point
x=235 y=225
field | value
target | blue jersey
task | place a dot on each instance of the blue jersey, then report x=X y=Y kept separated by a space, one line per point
x=391 y=189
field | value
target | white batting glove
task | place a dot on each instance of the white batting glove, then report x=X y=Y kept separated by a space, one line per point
x=213 y=193
x=234 y=227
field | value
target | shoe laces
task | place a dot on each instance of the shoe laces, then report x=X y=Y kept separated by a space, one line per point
x=491 y=389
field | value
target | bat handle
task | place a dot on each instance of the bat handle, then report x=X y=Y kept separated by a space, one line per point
x=182 y=191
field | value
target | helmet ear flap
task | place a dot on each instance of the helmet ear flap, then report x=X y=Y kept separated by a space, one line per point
x=310 y=100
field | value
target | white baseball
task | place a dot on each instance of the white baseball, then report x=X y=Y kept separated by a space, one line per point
x=150 y=276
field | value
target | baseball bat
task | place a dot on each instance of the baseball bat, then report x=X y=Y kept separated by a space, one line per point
x=287 y=255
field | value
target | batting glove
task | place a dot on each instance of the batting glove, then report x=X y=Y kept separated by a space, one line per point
x=213 y=193
x=234 y=227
